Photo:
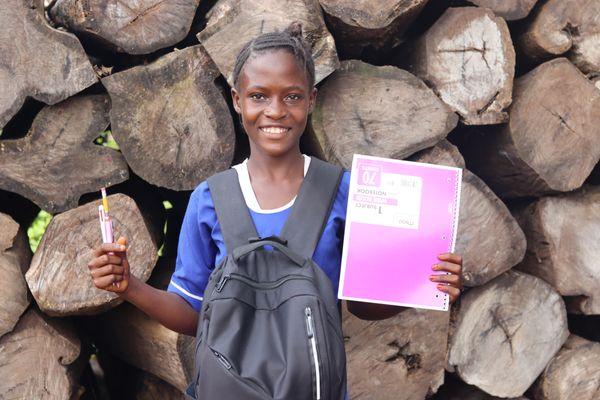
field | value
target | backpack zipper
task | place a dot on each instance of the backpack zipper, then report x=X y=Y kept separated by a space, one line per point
x=312 y=341
x=256 y=285
x=222 y=359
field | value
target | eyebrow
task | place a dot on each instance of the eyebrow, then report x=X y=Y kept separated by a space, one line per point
x=288 y=88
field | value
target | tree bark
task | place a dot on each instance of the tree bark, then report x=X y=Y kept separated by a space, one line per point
x=360 y=24
x=567 y=27
x=379 y=111
x=59 y=278
x=171 y=120
x=129 y=26
x=562 y=246
x=58 y=161
x=40 y=359
x=232 y=23
x=400 y=358
x=573 y=374
x=520 y=159
x=510 y=10
x=488 y=237
x=138 y=340
x=40 y=62
x=152 y=388
x=15 y=256
x=468 y=58
x=506 y=333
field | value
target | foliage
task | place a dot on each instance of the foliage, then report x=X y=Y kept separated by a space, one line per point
x=106 y=139
x=37 y=228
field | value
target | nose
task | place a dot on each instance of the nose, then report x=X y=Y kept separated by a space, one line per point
x=276 y=109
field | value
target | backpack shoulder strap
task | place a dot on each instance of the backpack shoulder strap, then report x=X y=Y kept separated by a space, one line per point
x=310 y=211
x=232 y=213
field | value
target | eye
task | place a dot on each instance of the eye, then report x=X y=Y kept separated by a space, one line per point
x=257 y=96
x=294 y=97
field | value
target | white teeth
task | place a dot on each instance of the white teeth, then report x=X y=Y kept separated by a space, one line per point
x=274 y=130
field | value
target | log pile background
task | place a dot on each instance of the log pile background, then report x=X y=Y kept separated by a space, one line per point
x=508 y=90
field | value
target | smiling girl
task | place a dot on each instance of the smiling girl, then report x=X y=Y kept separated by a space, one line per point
x=274 y=93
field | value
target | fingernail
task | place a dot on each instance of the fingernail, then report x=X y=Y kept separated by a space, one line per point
x=435 y=267
x=122 y=248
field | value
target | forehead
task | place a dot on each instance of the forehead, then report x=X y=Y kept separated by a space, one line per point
x=272 y=68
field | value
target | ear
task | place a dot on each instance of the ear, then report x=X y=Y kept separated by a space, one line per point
x=312 y=100
x=236 y=101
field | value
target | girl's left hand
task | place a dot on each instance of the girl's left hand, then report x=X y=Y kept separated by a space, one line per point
x=450 y=281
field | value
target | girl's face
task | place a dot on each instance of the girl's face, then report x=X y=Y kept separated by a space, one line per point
x=274 y=100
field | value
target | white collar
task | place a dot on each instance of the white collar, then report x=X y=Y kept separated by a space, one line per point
x=250 y=196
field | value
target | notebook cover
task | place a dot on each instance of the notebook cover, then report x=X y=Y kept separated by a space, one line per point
x=400 y=216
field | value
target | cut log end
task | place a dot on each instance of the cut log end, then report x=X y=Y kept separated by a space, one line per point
x=171 y=120
x=379 y=111
x=468 y=58
x=232 y=23
x=506 y=332
x=60 y=148
x=59 y=278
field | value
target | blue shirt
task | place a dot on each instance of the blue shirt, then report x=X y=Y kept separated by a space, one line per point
x=201 y=246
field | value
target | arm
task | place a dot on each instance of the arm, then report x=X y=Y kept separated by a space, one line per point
x=110 y=271
x=168 y=308
x=371 y=311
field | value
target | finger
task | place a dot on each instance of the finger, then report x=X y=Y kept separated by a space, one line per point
x=106 y=281
x=103 y=260
x=109 y=269
x=450 y=279
x=453 y=292
x=451 y=257
x=112 y=247
x=446 y=266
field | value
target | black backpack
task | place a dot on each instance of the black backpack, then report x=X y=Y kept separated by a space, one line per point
x=269 y=326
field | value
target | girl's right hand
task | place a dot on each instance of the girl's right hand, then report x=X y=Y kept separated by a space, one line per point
x=109 y=267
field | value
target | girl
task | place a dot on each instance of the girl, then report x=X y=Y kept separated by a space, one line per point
x=273 y=93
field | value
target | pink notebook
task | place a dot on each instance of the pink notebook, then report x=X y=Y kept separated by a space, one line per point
x=401 y=215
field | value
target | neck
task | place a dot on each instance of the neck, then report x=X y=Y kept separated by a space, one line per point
x=284 y=167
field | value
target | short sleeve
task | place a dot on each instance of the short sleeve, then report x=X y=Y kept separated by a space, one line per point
x=196 y=251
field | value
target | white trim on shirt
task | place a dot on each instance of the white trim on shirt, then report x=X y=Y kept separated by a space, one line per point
x=193 y=296
x=248 y=192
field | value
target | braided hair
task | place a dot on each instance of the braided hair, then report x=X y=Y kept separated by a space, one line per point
x=290 y=39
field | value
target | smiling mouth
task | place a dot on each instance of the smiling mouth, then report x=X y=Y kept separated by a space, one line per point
x=272 y=130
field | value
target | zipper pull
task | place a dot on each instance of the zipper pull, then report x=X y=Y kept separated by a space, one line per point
x=222 y=359
x=309 y=322
x=222 y=283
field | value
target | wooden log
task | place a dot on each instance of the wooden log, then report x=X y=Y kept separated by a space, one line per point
x=146 y=344
x=379 y=111
x=400 y=358
x=171 y=120
x=562 y=246
x=152 y=388
x=573 y=374
x=468 y=58
x=130 y=26
x=488 y=237
x=506 y=333
x=59 y=278
x=232 y=23
x=360 y=24
x=520 y=159
x=40 y=62
x=40 y=359
x=455 y=389
x=15 y=256
x=58 y=161
x=568 y=27
x=510 y=10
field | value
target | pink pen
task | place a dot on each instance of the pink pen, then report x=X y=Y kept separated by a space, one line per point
x=106 y=225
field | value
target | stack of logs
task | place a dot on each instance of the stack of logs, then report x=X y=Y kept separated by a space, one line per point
x=508 y=90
